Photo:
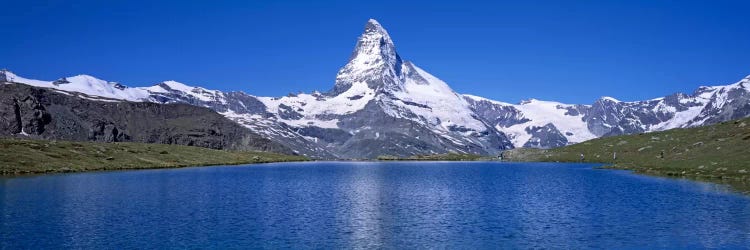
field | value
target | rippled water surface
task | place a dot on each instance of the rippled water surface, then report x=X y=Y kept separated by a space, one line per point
x=370 y=205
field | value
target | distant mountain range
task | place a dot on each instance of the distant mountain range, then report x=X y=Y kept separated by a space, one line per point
x=383 y=105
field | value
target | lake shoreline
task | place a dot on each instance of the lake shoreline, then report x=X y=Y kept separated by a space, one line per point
x=739 y=184
x=20 y=157
x=115 y=169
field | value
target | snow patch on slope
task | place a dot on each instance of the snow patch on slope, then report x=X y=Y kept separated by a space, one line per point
x=93 y=86
x=312 y=106
x=436 y=101
x=85 y=84
x=680 y=119
x=542 y=112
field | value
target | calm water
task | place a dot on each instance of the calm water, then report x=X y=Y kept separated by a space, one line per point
x=370 y=205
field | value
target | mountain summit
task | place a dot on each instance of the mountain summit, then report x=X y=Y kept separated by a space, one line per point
x=373 y=62
x=383 y=105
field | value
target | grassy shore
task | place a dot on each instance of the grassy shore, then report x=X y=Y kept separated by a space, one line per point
x=21 y=156
x=437 y=157
x=717 y=153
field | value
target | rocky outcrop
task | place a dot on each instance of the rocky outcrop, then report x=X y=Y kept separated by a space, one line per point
x=546 y=136
x=23 y=115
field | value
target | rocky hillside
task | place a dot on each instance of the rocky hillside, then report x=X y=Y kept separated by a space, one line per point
x=712 y=152
x=41 y=113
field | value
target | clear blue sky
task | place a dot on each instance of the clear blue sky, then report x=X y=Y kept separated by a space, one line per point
x=570 y=51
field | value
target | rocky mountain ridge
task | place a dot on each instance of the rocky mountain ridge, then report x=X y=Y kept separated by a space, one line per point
x=41 y=113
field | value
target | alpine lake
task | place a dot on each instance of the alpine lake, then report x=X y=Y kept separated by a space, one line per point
x=473 y=205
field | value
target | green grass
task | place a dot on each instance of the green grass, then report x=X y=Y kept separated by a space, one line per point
x=716 y=153
x=436 y=157
x=21 y=156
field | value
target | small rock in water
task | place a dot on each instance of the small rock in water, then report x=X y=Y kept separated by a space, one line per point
x=701 y=167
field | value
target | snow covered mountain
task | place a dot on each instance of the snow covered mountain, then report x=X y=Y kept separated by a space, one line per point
x=545 y=124
x=383 y=105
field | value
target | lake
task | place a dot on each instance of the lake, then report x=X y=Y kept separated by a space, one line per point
x=370 y=205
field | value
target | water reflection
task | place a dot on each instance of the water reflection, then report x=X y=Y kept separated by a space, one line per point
x=359 y=205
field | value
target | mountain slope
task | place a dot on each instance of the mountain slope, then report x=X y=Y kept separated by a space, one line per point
x=715 y=152
x=382 y=104
x=242 y=108
x=40 y=113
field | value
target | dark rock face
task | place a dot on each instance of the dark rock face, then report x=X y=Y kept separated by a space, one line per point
x=10 y=116
x=546 y=136
x=377 y=133
x=602 y=115
x=44 y=114
x=505 y=116
x=381 y=134
x=60 y=81
x=23 y=115
x=326 y=135
x=34 y=117
x=286 y=112
x=244 y=104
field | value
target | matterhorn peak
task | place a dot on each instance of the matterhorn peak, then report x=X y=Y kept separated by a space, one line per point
x=373 y=26
x=374 y=61
x=375 y=44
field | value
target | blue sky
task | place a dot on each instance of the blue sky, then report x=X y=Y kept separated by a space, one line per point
x=570 y=51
